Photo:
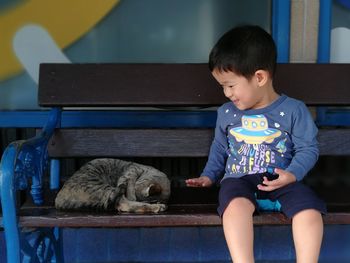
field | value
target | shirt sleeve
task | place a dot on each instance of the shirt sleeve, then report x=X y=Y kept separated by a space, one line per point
x=215 y=165
x=305 y=145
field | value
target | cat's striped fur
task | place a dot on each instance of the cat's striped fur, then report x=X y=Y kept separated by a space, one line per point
x=115 y=184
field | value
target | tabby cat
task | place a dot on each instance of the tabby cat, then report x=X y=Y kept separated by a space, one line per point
x=105 y=184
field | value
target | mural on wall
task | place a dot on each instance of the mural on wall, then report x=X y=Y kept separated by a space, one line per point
x=65 y=21
x=109 y=31
x=36 y=31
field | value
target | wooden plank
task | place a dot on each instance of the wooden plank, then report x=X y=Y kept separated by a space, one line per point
x=334 y=141
x=184 y=215
x=162 y=142
x=178 y=84
x=175 y=216
x=128 y=85
x=131 y=143
x=315 y=84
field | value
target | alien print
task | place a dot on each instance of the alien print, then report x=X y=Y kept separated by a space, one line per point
x=254 y=146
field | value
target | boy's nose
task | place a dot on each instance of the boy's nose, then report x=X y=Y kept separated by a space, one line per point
x=228 y=93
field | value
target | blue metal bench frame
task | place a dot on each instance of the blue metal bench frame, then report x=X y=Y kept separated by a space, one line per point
x=26 y=160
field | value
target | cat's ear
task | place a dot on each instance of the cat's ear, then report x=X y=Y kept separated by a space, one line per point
x=154 y=189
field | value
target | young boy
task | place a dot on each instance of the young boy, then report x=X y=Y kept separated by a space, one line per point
x=264 y=144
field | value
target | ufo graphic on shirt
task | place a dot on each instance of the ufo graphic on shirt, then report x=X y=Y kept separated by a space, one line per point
x=255 y=130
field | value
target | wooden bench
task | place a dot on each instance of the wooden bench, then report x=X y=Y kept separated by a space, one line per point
x=149 y=111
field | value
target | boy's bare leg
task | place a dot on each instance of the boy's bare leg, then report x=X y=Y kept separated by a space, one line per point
x=238 y=229
x=307 y=234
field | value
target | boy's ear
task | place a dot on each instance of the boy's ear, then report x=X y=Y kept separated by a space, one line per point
x=261 y=76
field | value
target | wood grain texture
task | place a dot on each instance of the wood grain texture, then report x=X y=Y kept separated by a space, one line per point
x=131 y=143
x=128 y=85
x=334 y=141
x=182 y=215
x=162 y=142
x=179 y=84
x=315 y=84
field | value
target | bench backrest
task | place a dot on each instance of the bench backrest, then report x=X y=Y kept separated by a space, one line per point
x=179 y=84
x=171 y=86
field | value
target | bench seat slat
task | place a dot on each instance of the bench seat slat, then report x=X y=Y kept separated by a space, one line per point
x=162 y=142
x=184 y=215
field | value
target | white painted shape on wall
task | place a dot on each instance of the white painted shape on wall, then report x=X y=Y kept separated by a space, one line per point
x=33 y=45
x=340 y=45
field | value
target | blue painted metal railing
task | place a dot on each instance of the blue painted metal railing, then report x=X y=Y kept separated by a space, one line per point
x=191 y=117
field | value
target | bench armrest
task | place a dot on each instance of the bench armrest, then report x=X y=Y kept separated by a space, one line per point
x=24 y=159
x=21 y=160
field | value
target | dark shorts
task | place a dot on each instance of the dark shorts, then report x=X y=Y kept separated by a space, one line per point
x=293 y=198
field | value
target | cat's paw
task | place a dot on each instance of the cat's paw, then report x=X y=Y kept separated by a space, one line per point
x=159 y=208
x=123 y=207
x=126 y=206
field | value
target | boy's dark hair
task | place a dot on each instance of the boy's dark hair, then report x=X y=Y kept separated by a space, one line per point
x=244 y=50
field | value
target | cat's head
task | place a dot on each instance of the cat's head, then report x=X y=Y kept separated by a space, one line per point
x=152 y=186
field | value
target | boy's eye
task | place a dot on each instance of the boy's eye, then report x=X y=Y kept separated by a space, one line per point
x=226 y=87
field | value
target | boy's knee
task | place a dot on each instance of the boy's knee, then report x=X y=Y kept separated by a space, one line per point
x=241 y=204
x=308 y=215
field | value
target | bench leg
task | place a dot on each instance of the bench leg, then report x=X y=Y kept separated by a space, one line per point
x=30 y=245
x=8 y=203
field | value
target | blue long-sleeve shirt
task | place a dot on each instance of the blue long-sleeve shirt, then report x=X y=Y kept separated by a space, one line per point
x=281 y=135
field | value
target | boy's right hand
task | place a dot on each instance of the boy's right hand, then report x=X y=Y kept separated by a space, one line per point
x=202 y=181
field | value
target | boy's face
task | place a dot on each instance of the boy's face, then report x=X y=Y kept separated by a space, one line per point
x=244 y=93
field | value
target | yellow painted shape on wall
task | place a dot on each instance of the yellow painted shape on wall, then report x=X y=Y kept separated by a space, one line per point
x=65 y=20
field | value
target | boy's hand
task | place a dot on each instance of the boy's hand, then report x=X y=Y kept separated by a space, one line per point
x=202 y=181
x=283 y=179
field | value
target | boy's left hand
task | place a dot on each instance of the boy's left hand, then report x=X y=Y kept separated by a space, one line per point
x=283 y=179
